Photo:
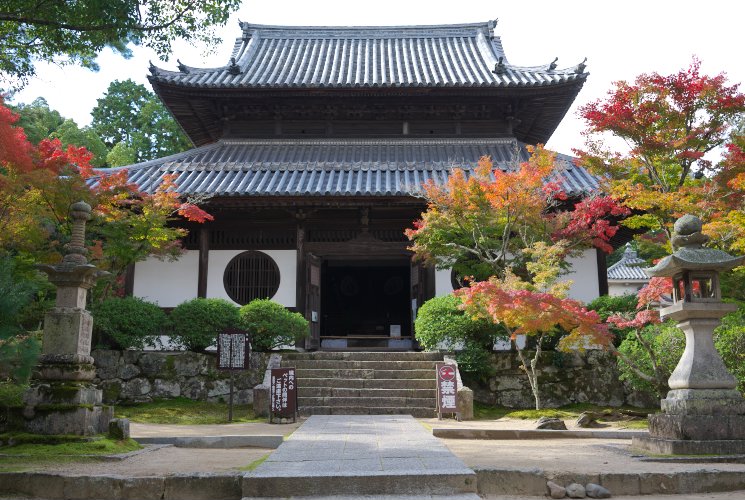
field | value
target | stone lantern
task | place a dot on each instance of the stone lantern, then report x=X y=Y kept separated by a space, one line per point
x=62 y=399
x=703 y=413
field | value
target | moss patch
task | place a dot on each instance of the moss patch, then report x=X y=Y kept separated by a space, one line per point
x=185 y=412
x=606 y=414
x=11 y=395
x=254 y=464
x=98 y=446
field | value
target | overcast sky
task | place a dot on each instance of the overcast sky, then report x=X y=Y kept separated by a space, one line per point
x=620 y=39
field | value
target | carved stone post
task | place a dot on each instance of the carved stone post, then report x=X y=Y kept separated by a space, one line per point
x=703 y=413
x=62 y=399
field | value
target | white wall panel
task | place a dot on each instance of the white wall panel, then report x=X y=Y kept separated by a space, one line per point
x=443 y=285
x=584 y=274
x=167 y=283
x=286 y=262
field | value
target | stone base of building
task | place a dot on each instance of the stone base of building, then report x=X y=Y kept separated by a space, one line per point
x=697 y=427
x=65 y=407
x=657 y=446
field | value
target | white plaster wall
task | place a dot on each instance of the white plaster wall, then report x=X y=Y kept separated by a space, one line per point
x=167 y=283
x=584 y=275
x=286 y=262
x=443 y=285
x=624 y=288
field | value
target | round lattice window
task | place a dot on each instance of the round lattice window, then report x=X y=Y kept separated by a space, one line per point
x=251 y=275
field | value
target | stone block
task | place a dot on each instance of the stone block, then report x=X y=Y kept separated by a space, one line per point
x=61 y=419
x=703 y=402
x=65 y=371
x=143 y=488
x=261 y=400
x=190 y=364
x=111 y=390
x=620 y=484
x=697 y=427
x=656 y=446
x=47 y=486
x=155 y=364
x=126 y=371
x=67 y=331
x=62 y=393
x=464 y=403
x=89 y=487
x=511 y=482
x=135 y=389
x=106 y=362
x=119 y=428
x=655 y=483
x=200 y=486
x=165 y=389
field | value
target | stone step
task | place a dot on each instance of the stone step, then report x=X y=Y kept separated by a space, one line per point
x=416 y=412
x=462 y=496
x=370 y=383
x=337 y=364
x=367 y=402
x=341 y=392
x=364 y=356
x=359 y=373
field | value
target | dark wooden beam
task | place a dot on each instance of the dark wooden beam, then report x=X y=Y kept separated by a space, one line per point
x=602 y=272
x=204 y=257
x=129 y=280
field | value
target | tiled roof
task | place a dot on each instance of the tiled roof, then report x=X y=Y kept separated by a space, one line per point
x=629 y=268
x=326 y=167
x=463 y=55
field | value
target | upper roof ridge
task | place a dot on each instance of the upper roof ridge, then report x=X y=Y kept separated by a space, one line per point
x=376 y=31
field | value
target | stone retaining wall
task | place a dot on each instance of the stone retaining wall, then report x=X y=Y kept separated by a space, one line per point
x=141 y=376
x=565 y=378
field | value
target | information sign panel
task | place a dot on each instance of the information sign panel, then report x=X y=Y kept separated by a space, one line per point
x=233 y=350
x=447 y=388
x=283 y=394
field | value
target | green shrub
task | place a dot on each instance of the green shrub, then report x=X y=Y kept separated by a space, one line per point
x=127 y=323
x=729 y=339
x=19 y=349
x=668 y=343
x=197 y=322
x=271 y=325
x=440 y=324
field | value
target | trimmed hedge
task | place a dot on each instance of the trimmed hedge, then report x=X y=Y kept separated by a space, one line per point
x=271 y=325
x=197 y=322
x=128 y=322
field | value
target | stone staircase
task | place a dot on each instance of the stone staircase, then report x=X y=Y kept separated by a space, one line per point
x=365 y=383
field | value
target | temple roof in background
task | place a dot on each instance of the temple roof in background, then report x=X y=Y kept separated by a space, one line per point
x=629 y=268
x=459 y=55
x=335 y=167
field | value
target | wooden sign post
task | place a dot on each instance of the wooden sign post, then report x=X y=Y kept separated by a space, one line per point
x=283 y=394
x=233 y=353
x=447 y=390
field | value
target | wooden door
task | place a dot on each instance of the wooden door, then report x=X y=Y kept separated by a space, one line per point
x=416 y=294
x=313 y=300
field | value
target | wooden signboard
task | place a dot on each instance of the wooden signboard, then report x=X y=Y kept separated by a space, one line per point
x=233 y=353
x=447 y=389
x=233 y=350
x=283 y=394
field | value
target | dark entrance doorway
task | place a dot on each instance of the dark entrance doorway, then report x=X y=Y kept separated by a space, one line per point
x=366 y=304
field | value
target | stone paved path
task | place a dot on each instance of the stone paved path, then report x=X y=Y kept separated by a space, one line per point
x=366 y=451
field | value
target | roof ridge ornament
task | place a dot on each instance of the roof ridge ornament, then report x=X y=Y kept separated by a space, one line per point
x=581 y=67
x=500 y=67
x=153 y=69
x=553 y=64
x=234 y=69
x=182 y=67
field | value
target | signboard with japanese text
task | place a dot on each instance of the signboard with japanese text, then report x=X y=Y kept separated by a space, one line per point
x=283 y=394
x=233 y=350
x=447 y=388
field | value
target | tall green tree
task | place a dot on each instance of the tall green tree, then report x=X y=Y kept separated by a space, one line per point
x=75 y=32
x=130 y=114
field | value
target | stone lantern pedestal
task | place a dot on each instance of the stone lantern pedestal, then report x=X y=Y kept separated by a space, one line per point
x=62 y=399
x=703 y=414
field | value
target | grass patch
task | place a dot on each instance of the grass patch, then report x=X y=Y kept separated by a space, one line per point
x=254 y=464
x=185 y=412
x=11 y=395
x=99 y=446
x=606 y=414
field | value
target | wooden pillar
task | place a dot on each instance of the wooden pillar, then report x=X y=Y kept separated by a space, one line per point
x=129 y=280
x=204 y=257
x=602 y=272
x=300 y=270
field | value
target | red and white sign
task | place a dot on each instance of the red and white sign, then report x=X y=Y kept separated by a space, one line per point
x=447 y=388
